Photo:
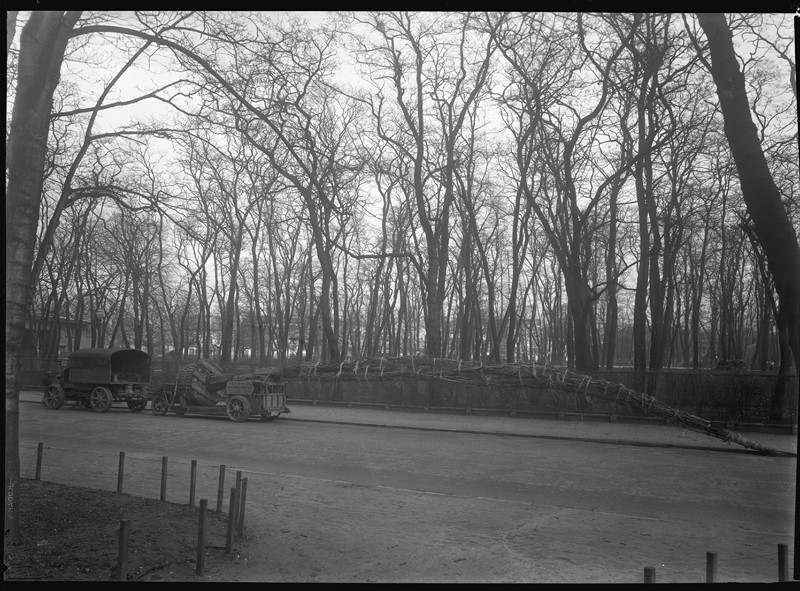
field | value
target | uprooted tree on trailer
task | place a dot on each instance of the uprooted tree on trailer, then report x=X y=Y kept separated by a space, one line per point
x=513 y=375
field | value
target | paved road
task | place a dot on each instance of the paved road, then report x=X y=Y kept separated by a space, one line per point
x=640 y=478
x=619 y=433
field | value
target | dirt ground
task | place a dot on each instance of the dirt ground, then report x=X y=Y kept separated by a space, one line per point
x=72 y=534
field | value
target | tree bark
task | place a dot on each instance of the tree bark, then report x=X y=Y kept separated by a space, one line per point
x=42 y=45
x=771 y=222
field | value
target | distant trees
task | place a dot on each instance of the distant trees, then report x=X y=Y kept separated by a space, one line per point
x=545 y=54
x=434 y=73
x=489 y=185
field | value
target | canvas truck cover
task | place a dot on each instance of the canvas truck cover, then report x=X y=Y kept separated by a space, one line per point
x=120 y=360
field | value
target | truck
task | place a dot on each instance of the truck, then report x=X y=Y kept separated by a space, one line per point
x=201 y=387
x=96 y=378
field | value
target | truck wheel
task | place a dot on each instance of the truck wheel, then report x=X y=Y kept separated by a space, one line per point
x=159 y=406
x=101 y=399
x=238 y=408
x=53 y=397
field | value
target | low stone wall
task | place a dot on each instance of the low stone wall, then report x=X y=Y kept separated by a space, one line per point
x=739 y=395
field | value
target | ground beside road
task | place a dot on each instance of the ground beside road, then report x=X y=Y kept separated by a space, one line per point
x=408 y=538
x=72 y=534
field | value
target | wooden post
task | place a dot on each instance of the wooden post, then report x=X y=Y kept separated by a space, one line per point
x=121 y=471
x=231 y=521
x=238 y=496
x=39 y=448
x=783 y=563
x=192 y=483
x=242 y=500
x=427 y=387
x=649 y=574
x=221 y=489
x=201 y=538
x=164 y=478
x=122 y=556
x=711 y=567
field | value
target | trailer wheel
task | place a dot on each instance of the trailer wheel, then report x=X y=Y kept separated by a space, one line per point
x=159 y=406
x=137 y=404
x=101 y=399
x=238 y=408
x=179 y=404
x=53 y=397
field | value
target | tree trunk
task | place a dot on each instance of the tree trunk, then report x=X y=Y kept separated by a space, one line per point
x=579 y=304
x=229 y=316
x=772 y=224
x=42 y=45
x=610 y=332
x=781 y=391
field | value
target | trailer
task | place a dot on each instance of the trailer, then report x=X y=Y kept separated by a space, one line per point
x=96 y=378
x=203 y=388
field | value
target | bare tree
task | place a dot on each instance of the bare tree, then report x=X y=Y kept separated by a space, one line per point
x=564 y=137
x=42 y=45
x=764 y=203
x=419 y=109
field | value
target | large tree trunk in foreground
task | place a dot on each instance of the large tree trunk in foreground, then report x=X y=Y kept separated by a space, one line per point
x=772 y=225
x=42 y=44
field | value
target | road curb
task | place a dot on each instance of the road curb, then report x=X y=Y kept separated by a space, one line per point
x=634 y=443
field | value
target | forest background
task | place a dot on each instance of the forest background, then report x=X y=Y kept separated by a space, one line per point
x=552 y=187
